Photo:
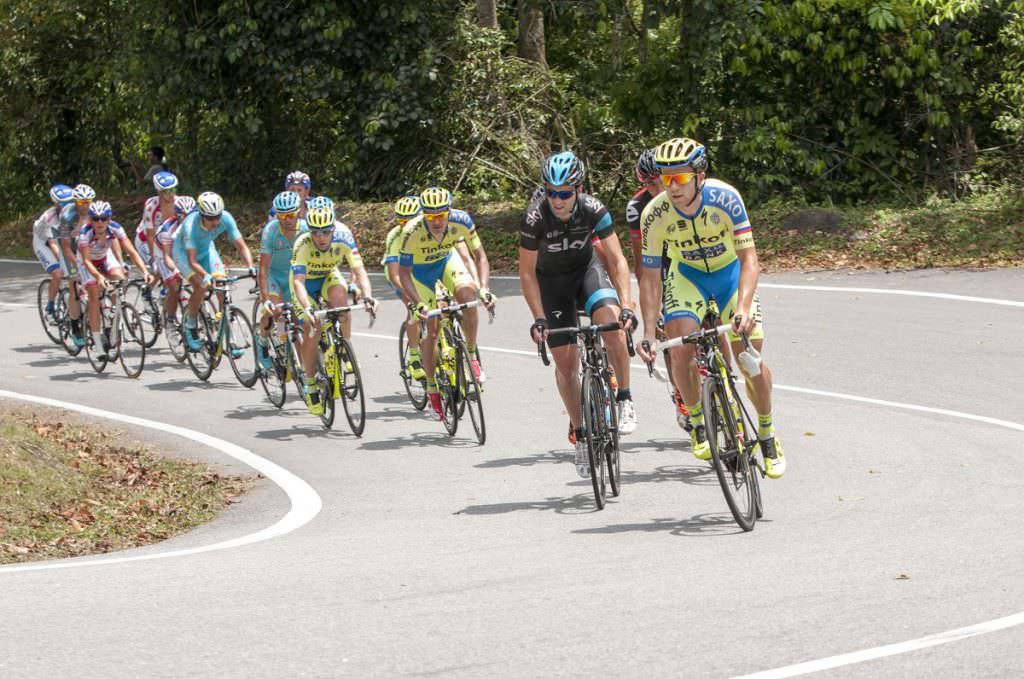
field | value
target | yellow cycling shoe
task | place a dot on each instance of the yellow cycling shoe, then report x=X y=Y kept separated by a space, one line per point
x=699 y=445
x=774 y=458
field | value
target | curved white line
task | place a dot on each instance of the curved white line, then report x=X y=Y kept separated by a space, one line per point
x=305 y=502
x=906 y=293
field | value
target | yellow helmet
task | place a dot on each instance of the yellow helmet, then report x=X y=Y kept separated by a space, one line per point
x=407 y=207
x=681 y=152
x=320 y=217
x=436 y=199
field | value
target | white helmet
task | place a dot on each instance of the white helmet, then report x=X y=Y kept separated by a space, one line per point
x=210 y=204
x=83 y=192
x=184 y=204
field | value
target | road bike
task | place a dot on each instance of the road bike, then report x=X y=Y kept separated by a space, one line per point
x=224 y=332
x=51 y=322
x=338 y=375
x=121 y=331
x=598 y=407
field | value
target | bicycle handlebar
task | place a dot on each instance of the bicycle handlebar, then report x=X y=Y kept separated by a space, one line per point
x=575 y=332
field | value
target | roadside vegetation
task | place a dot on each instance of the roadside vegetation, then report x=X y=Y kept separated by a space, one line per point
x=75 y=489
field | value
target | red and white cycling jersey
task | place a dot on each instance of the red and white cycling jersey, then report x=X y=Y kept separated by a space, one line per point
x=152 y=218
x=97 y=244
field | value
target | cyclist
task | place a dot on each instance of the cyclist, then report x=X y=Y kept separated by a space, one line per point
x=157 y=209
x=72 y=218
x=275 y=264
x=314 y=274
x=165 y=266
x=98 y=262
x=196 y=256
x=44 y=242
x=704 y=225
x=426 y=259
x=406 y=208
x=560 y=274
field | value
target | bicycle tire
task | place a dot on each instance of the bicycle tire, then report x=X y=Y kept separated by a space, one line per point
x=202 y=360
x=42 y=299
x=132 y=332
x=593 y=419
x=240 y=339
x=298 y=374
x=98 y=363
x=416 y=389
x=66 y=333
x=728 y=456
x=274 y=379
x=173 y=336
x=449 y=400
x=613 y=458
x=325 y=383
x=453 y=338
x=469 y=393
x=351 y=387
x=149 y=310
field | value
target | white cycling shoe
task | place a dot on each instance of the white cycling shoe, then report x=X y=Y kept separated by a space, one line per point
x=627 y=417
x=582 y=459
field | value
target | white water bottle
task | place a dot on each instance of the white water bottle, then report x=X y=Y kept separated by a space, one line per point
x=750 y=361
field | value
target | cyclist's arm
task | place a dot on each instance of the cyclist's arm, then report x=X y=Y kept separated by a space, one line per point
x=408 y=287
x=750 y=270
x=167 y=249
x=468 y=260
x=483 y=265
x=650 y=304
x=133 y=254
x=264 y=276
x=193 y=263
x=243 y=250
x=65 y=246
x=298 y=283
x=118 y=250
x=618 y=270
x=528 y=280
x=362 y=278
x=394 y=276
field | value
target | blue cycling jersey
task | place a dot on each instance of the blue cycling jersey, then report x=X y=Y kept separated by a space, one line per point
x=279 y=247
x=192 y=235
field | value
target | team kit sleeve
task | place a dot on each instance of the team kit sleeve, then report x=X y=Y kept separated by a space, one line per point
x=299 y=255
x=472 y=238
x=393 y=245
x=230 y=227
x=603 y=226
x=267 y=239
x=405 y=254
x=528 y=236
x=653 y=235
x=349 y=246
x=729 y=200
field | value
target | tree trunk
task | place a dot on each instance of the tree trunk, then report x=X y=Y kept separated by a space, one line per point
x=487 y=13
x=531 y=32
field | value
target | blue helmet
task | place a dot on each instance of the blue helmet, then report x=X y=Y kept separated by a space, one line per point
x=100 y=208
x=286 y=202
x=60 y=194
x=563 y=169
x=164 y=181
x=319 y=202
x=297 y=177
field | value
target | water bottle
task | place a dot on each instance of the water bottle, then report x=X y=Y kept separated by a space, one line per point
x=750 y=361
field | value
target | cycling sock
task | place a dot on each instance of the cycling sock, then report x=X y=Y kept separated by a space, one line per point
x=623 y=395
x=696 y=413
x=49 y=307
x=765 y=428
x=471 y=348
x=97 y=340
x=431 y=385
x=580 y=433
x=414 y=355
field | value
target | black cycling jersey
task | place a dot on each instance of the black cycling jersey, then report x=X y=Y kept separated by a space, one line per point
x=635 y=208
x=563 y=247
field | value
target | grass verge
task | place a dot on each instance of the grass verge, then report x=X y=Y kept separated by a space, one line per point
x=75 y=489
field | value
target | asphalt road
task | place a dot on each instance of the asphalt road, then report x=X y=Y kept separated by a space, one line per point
x=436 y=557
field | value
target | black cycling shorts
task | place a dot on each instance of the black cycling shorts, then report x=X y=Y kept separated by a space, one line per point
x=564 y=295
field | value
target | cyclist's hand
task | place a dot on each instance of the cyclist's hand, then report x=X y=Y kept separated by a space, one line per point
x=627 y=319
x=488 y=298
x=354 y=292
x=648 y=350
x=102 y=281
x=419 y=310
x=267 y=307
x=743 y=324
x=253 y=271
x=371 y=304
x=539 y=330
x=207 y=279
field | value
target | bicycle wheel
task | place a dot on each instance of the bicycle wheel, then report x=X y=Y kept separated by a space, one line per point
x=728 y=456
x=469 y=394
x=241 y=347
x=445 y=376
x=203 y=360
x=173 y=337
x=97 y=360
x=139 y=296
x=325 y=382
x=50 y=326
x=274 y=379
x=67 y=337
x=594 y=421
x=132 y=341
x=352 y=398
x=611 y=450
x=416 y=389
x=452 y=339
x=294 y=368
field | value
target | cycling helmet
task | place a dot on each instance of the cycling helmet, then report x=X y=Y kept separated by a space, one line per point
x=286 y=202
x=407 y=207
x=184 y=204
x=320 y=218
x=100 y=208
x=210 y=204
x=436 y=199
x=297 y=177
x=82 y=192
x=319 y=202
x=646 y=169
x=61 y=194
x=563 y=169
x=681 y=152
x=164 y=181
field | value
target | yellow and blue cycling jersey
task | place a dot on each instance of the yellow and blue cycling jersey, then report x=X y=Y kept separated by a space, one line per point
x=432 y=259
x=321 y=267
x=392 y=246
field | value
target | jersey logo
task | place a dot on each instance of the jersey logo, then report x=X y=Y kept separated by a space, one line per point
x=557 y=313
x=591 y=202
x=728 y=201
x=532 y=217
x=632 y=214
x=566 y=244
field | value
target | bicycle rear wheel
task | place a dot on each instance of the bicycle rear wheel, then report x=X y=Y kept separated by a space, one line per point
x=50 y=327
x=448 y=390
x=241 y=347
x=728 y=455
x=98 y=356
x=596 y=434
x=325 y=383
x=353 y=400
x=135 y=293
x=416 y=389
x=132 y=341
x=469 y=392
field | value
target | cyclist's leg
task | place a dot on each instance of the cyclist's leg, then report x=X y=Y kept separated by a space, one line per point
x=50 y=262
x=335 y=291
x=559 y=298
x=457 y=279
x=310 y=336
x=599 y=299
x=424 y=277
x=685 y=304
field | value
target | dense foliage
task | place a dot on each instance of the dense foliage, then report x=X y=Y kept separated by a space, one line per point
x=828 y=100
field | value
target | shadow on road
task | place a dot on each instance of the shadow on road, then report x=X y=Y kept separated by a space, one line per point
x=693 y=475
x=392 y=398
x=420 y=441
x=698 y=525
x=576 y=504
x=193 y=385
x=36 y=348
x=655 y=446
x=313 y=430
x=550 y=457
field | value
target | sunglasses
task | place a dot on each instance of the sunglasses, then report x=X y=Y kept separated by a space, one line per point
x=402 y=221
x=436 y=216
x=101 y=219
x=322 y=232
x=681 y=178
x=82 y=202
x=561 y=195
x=167 y=192
x=287 y=216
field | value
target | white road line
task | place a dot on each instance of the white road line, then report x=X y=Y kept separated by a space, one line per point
x=885 y=291
x=19 y=261
x=17 y=304
x=890 y=649
x=305 y=502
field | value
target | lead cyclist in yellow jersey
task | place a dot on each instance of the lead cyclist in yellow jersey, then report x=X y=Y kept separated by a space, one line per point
x=703 y=223
x=427 y=257
x=315 y=259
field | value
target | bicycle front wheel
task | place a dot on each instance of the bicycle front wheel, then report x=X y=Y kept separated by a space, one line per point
x=611 y=449
x=98 y=356
x=594 y=419
x=51 y=326
x=241 y=347
x=446 y=386
x=469 y=393
x=728 y=455
x=416 y=389
x=202 y=360
x=274 y=378
x=352 y=398
x=139 y=296
x=132 y=341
